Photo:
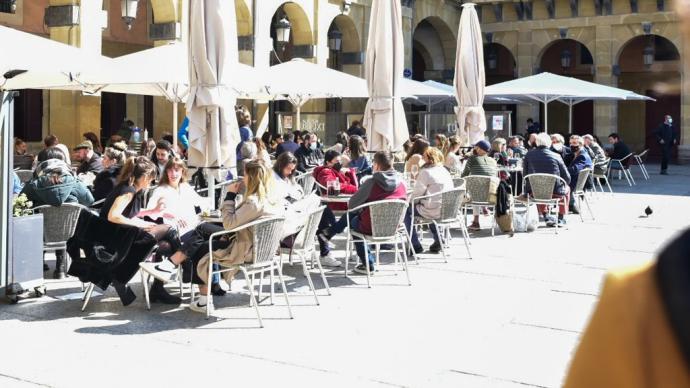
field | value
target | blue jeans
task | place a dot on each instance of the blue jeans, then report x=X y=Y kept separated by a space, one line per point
x=413 y=233
x=362 y=250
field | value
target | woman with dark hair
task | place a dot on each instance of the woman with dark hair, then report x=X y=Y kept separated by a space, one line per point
x=268 y=140
x=358 y=157
x=125 y=206
x=95 y=142
x=414 y=157
x=284 y=173
x=105 y=181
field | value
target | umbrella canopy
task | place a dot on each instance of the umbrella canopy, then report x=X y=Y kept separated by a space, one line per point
x=25 y=55
x=470 y=78
x=425 y=93
x=384 y=116
x=548 y=87
x=213 y=130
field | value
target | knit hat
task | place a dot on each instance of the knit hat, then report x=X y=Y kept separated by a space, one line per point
x=84 y=144
x=484 y=145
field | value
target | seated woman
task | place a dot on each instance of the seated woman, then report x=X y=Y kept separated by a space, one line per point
x=414 y=157
x=440 y=141
x=453 y=161
x=284 y=173
x=330 y=171
x=112 y=165
x=261 y=152
x=433 y=178
x=258 y=183
x=53 y=184
x=125 y=206
x=500 y=155
x=358 y=157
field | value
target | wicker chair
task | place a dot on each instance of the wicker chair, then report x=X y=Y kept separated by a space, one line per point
x=387 y=217
x=458 y=182
x=579 y=192
x=59 y=223
x=622 y=166
x=307 y=181
x=639 y=159
x=479 y=192
x=24 y=175
x=451 y=201
x=542 y=187
x=399 y=167
x=603 y=177
x=267 y=232
x=304 y=248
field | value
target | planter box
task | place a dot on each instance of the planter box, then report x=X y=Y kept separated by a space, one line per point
x=25 y=264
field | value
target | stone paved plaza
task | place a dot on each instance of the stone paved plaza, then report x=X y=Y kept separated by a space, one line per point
x=510 y=317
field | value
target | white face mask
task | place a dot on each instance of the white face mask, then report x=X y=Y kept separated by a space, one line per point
x=669 y=121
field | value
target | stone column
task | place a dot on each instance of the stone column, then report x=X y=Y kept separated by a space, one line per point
x=525 y=68
x=71 y=113
x=605 y=113
x=408 y=26
x=162 y=108
x=684 y=120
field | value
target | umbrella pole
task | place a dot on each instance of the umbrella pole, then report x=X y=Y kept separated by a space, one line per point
x=546 y=116
x=175 y=126
x=298 y=118
x=570 y=118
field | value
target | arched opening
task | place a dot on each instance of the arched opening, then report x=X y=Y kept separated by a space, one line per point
x=244 y=19
x=433 y=45
x=569 y=58
x=300 y=44
x=500 y=66
x=648 y=65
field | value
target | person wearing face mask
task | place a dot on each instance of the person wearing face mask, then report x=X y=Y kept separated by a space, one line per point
x=667 y=138
x=308 y=155
x=580 y=161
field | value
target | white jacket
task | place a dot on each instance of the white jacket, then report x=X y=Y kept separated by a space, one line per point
x=431 y=180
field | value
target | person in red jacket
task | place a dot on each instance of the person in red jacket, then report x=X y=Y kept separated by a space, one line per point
x=331 y=170
x=385 y=183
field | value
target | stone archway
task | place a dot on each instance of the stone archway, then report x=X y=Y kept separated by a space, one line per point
x=165 y=11
x=245 y=25
x=659 y=77
x=499 y=63
x=434 y=45
x=301 y=44
x=571 y=58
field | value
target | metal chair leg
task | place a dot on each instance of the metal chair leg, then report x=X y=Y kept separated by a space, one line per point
x=145 y=284
x=87 y=297
x=252 y=298
x=323 y=274
x=311 y=283
x=404 y=260
x=282 y=284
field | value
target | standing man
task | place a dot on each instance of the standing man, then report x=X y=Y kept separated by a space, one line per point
x=666 y=137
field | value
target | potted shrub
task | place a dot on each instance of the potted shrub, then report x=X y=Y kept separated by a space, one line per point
x=25 y=267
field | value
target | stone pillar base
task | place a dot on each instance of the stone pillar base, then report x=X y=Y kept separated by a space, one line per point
x=684 y=154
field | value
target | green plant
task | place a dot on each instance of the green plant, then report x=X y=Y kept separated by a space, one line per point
x=21 y=206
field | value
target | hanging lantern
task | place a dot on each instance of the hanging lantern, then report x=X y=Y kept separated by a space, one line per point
x=566 y=59
x=282 y=28
x=492 y=60
x=648 y=55
x=129 y=11
x=335 y=39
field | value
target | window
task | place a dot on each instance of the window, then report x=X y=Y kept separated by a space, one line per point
x=8 y=6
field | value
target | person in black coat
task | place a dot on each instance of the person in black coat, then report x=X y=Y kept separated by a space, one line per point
x=288 y=145
x=667 y=138
x=620 y=150
x=308 y=155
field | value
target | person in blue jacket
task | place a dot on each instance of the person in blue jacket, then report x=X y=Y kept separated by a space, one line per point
x=183 y=133
x=581 y=160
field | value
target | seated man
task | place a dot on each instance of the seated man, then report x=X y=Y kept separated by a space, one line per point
x=479 y=164
x=596 y=153
x=308 y=154
x=581 y=160
x=385 y=183
x=330 y=171
x=89 y=161
x=541 y=160
x=515 y=146
x=620 y=150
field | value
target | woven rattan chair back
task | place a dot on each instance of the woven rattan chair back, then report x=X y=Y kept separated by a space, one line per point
x=478 y=188
x=24 y=175
x=386 y=217
x=307 y=181
x=59 y=222
x=582 y=178
x=305 y=237
x=458 y=182
x=450 y=203
x=267 y=234
x=542 y=185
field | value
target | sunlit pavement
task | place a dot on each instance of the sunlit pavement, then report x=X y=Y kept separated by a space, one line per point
x=509 y=317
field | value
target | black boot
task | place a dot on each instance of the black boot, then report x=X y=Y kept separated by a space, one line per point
x=59 y=266
x=216 y=290
x=158 y=293
x=124 y=292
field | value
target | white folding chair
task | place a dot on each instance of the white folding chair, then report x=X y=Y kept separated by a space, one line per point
x=579 y=192
x=639 y=159
x=622 y=166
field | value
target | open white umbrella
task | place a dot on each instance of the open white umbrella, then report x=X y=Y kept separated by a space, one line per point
x=213 y=130
x=23 y=63
x=470 y=78
x=299 y=81
x=384 y=115
x=547 y=87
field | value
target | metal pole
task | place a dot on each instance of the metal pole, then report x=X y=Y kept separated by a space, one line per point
x=175 y=123
x=6 y=130
x=570 y=117
x=546 y=116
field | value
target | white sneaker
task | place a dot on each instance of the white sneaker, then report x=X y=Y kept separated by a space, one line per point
x=329 y=261
x=196 y=307
x=163 y=271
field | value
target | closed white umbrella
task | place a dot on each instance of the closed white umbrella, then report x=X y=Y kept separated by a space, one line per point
x=384 y=115
x=213 y=129
x=470 y=78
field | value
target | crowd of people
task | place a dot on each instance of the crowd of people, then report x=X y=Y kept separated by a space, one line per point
x=118 y=183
